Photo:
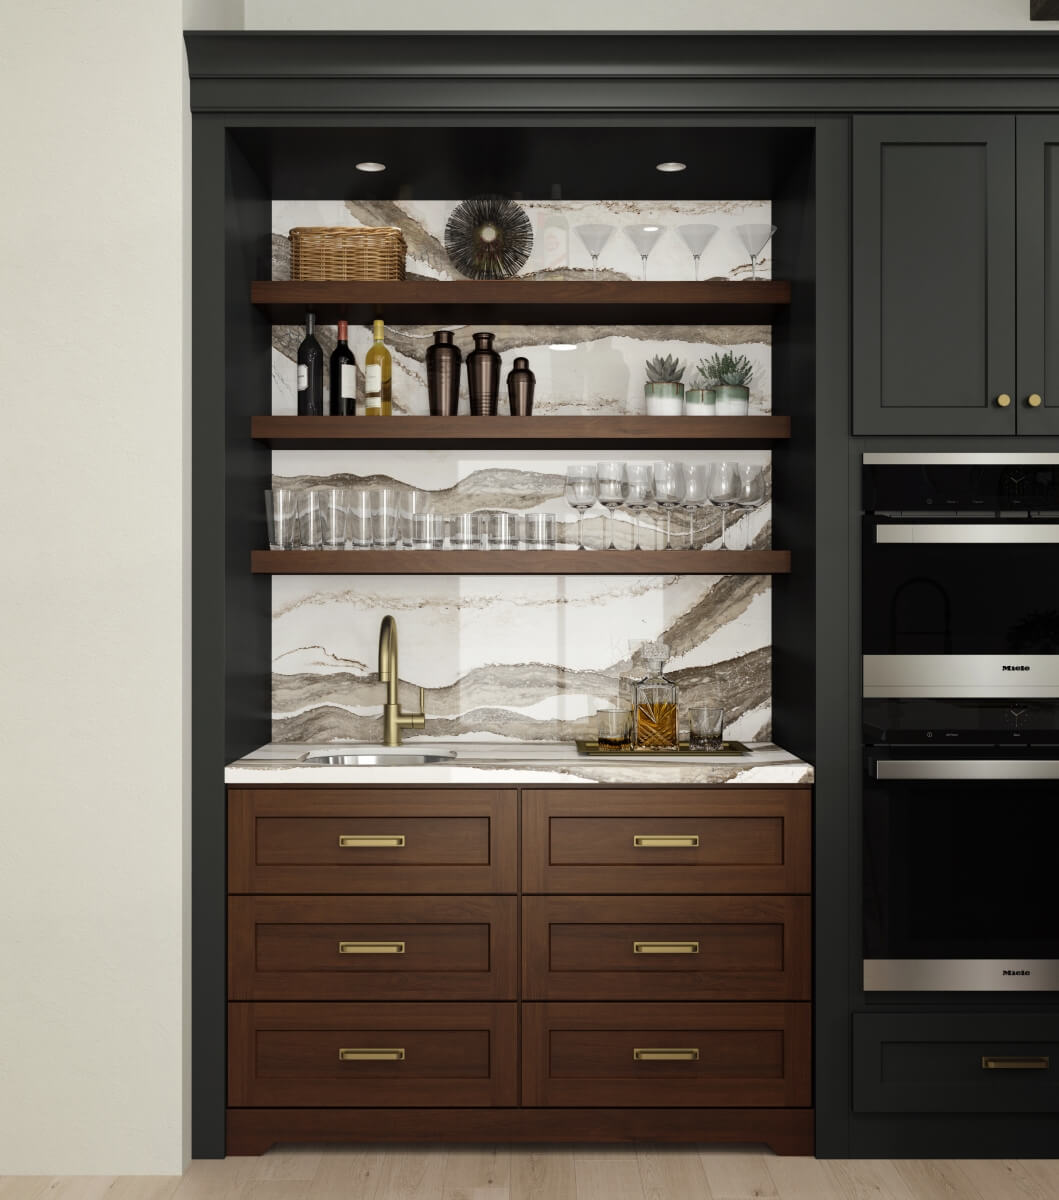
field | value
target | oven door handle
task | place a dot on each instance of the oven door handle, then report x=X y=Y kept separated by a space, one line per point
x=1029 y=532
x=970 y=768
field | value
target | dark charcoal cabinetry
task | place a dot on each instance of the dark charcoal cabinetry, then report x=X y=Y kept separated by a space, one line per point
x=955 y=265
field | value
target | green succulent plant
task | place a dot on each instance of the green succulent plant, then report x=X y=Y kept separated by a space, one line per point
x=665 y=370
x=726 y=370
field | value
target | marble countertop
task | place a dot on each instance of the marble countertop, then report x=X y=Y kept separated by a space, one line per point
x=516 y=763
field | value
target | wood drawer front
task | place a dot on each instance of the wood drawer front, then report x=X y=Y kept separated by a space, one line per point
x=414 y=840
x=372 y=948
x=748 y=1055
x=956 y=1062
x=666 y=948
x=454 y=1055
x=740 y=840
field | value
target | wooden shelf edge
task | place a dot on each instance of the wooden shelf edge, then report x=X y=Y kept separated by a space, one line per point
x=292 y=432
x=520 y=562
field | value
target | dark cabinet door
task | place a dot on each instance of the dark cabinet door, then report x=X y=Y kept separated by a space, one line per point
x=934 y=275
x=1037 y=401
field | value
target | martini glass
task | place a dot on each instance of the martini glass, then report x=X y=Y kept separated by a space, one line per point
x=644 y=237
x=755 y=238
x=697 y=238
x=594 y=238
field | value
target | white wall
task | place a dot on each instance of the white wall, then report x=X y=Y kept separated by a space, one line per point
x=93 y=358
x=635 y=14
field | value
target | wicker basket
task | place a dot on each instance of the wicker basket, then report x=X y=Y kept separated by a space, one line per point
x=346 y=252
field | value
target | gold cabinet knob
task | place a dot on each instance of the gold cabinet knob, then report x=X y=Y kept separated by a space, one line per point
x=1003 y=400
x=1034 y=400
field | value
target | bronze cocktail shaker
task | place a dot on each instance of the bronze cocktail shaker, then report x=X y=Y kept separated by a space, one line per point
x=443 y=375
x=520 y=384
x=483 y=376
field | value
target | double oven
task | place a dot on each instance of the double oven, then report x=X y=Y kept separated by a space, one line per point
x=960 y=618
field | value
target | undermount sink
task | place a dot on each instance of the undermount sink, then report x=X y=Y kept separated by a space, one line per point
x=381 y=756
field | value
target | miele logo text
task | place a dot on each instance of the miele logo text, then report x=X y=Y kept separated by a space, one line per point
x=1018 y=972
x=1005 y=667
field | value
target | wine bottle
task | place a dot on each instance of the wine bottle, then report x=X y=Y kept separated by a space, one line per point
x=378 y=369
x=310 y=372
x=343 y=376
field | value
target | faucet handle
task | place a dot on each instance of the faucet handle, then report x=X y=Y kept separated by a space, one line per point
x=422 y=702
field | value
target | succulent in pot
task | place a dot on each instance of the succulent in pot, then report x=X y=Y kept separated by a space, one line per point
x=700 y=400
x=664 y=389
x=728 y=375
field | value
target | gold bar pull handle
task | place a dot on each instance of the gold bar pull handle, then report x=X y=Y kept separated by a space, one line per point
x=665 y=947
x=665 y=1054
x=371 y=1054
x=1015 y=1062
x=371 y=947
x=665 y=841
x=369 y=841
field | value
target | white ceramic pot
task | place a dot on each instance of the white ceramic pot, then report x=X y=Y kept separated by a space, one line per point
x=664 y=399
x=732 y=401
x=700 y=402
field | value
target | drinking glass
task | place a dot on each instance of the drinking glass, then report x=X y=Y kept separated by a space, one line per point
x=613 y=490
x=310 y=520
x=538 y=531
x=359 y=522
x=594 y=238
x=502 y=529
x=413 y=502
x=465 y=531
x=385 y=515
x=640 y=484
x=614 y=728
x=281 y=514
x=644 y=237
x=696 y=496
x=581 y=485
x=755 y=238
x=724 y=488
x=751 y=494
x=706 y=728
x=697 y=238
x=428 y=531
x=334 y=514
x=670 y=486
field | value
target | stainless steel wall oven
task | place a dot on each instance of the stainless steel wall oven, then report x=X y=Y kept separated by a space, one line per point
x=960 y=618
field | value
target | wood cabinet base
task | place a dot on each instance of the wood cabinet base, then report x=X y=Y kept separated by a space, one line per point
x=255 y=1130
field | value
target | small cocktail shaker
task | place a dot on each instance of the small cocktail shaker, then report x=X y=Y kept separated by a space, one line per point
x=483 y=376
x=520 y=384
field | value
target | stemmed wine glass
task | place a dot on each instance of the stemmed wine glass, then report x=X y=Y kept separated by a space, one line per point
x=612 y=492
x=696 y=495
x=640 y=482
x=755 y=238
x=697 y=238
x=594 y=238
x=724 y=488
x=644 y=237
x=581 y=488
x=751 y=494
x=670 y=486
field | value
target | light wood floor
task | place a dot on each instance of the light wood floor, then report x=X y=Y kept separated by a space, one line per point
x=536 y=1173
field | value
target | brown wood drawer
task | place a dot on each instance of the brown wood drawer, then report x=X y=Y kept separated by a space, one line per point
x=305 y=1055
x=727 y=840
x=411 y=840
x=666 y=948
x=630 y=1055
x=372 y=948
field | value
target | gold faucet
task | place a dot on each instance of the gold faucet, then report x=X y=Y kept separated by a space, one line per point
x=393 y=720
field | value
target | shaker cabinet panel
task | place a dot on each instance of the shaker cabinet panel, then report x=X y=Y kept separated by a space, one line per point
x=934 y=279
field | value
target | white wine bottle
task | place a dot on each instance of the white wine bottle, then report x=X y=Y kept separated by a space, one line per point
x=378 y=370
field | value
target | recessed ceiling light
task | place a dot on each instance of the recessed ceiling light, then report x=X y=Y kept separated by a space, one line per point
x=671 y=166
x=563 y=346
x=649 y=228
x=371 y=166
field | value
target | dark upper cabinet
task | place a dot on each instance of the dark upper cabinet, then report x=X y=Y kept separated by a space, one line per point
x=936 y=289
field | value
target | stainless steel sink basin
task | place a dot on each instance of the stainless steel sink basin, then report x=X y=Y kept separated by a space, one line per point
x=381 y=756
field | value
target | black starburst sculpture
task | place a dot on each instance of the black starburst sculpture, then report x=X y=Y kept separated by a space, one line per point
x=488 y=237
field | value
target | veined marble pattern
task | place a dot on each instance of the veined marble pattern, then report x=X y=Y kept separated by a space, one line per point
x=605 y=373
x=527 y=658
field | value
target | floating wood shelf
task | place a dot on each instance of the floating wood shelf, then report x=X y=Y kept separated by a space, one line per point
x=540 y=432
x=524 y=301
x=520 y=562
